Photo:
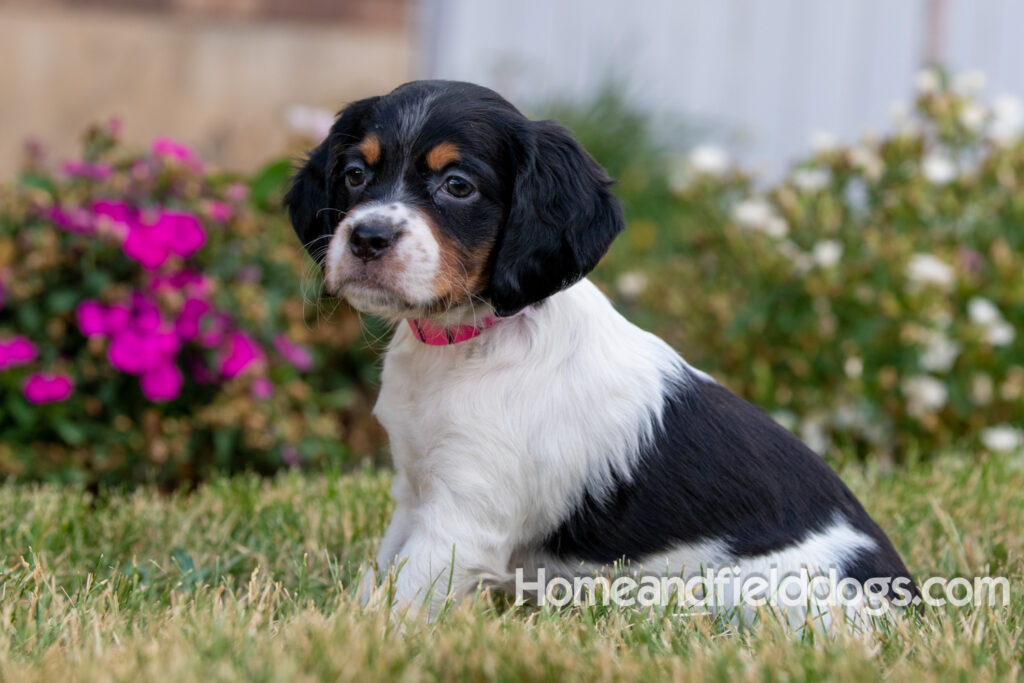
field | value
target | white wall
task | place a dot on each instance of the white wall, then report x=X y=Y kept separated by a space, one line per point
x=765 y=73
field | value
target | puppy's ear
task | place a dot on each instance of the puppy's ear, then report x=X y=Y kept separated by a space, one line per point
x=311 y=193
x=562 y=220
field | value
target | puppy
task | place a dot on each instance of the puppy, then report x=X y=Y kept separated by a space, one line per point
x=534 y=430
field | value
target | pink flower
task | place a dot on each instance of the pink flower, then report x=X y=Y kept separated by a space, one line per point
x=220 y=211
x=173 y=232
x=162 y=382
x=16 y=351
x=87 y=169
x=134 y=352
x=117 y=317
x=181 y=233
x=143 y=245
x=118 y=212
x=262 y=388
x=237 y=192
x=214 y=331
x=43 y=387
x=242 y=353
x=72 y=220
x=92 y=318
x=170 y=149
x=296 y=354
x=188 y=322
x=114 y=126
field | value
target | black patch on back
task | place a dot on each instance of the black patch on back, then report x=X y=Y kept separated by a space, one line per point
x=718 y=469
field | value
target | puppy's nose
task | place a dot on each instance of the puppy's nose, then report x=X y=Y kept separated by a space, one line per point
x=371 y=239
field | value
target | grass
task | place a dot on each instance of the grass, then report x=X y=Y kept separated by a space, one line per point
x=250 y=579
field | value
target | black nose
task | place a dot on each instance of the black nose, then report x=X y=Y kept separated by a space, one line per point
x=369 y=240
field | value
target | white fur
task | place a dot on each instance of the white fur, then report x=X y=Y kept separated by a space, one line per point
x=496 y=439
x=403 y=278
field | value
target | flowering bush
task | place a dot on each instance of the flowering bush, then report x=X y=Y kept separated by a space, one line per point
x=150 y=328
x=873 y=300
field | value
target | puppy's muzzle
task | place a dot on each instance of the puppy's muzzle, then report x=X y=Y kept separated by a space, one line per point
x=371 y=238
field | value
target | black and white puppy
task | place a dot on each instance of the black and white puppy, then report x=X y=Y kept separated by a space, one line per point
x=532 y=426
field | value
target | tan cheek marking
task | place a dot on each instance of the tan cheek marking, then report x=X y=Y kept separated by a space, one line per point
x=442 y=155
x=370 y=147
x=460 y=272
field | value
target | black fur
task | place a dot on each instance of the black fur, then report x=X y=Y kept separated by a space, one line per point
x=720 y=469
x=562 y=220
x=313 y=202
x=544 y=211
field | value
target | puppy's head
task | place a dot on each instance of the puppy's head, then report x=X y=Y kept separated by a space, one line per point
x=441 y=196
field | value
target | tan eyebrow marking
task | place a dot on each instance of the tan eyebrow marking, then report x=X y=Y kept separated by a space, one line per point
x=443 y=154
x=370 y=147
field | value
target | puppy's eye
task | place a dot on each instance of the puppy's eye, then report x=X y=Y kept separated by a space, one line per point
x=355 y=176
x=458 y=187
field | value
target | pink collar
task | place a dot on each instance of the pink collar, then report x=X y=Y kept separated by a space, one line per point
x=435 y=335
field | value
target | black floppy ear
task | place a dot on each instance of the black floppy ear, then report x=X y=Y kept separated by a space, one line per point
x=562 y=220
x=311 y=190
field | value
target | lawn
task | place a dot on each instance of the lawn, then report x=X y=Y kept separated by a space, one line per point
x=250 y=579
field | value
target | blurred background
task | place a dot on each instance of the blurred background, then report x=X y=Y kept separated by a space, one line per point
x=824 y=200
x=762 y=78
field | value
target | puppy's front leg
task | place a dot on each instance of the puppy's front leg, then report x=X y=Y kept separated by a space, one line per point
x=435 y=567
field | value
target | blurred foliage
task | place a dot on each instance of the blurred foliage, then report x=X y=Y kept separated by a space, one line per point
x=871 y=300
x=126 y=356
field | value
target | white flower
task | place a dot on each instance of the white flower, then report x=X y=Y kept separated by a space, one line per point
x=938 y=168
x=925 y=269
x=632 y=283
x=822 y=141
x=970 y=82
x=926 y=80
x=786 y=418
x=757 y=214
x=813 y=433
x=1007 y=119
x=973 y=116
x=1002 y=438
x=853 y=366
x=981 y=311
x=827 y=253
x=752 y=213
x=924 y=394
x=312 y=122
x=1001 y=333
x=865 y=160
x=811 y=179
x=940 y=352
x=708 y=159
x=776 y=227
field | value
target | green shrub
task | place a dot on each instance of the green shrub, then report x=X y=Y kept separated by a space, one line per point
x=152 y=328
x=872 y=300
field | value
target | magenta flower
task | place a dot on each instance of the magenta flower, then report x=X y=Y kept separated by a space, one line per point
x=43 y=387
x=16 y=351
x=262 y=388
x=242 y=353
x=296 y=354
x=145 y=246
x=188 y=323
x=117 y=317
x=162 y=382
x=135 y=352
x=92 y=318
x=181 y=233
x=116 y=211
